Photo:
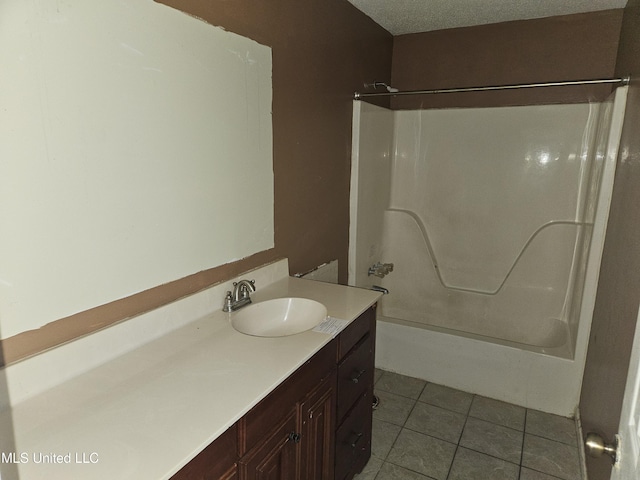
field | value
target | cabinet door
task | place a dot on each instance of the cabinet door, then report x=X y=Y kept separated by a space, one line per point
x=276 y=458
x=318 y=430
x=353 y=440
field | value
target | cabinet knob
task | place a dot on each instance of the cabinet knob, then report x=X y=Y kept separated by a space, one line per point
x=294 y=437
x=356 y=436
x=355 y=378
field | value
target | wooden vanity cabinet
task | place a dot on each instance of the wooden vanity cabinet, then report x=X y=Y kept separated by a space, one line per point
x=316 y=425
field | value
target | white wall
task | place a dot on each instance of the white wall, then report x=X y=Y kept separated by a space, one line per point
x=136 y=149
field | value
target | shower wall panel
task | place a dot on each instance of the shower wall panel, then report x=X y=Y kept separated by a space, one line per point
x=485 y=212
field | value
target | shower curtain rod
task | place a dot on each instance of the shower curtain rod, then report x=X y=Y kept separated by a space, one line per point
x=622 y=81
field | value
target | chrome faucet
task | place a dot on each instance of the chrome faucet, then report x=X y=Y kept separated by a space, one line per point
x=240 y=296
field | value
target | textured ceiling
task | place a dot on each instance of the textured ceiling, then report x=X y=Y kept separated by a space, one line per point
x=411 y=16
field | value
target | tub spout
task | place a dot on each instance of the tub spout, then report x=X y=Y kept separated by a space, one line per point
x=380 y=289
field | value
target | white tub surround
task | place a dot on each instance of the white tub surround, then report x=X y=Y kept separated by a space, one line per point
x=495 y=221
x=145 y=413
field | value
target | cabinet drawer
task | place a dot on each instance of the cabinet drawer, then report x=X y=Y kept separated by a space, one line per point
x=351 y=335
x=355 y=376
x=353 y=439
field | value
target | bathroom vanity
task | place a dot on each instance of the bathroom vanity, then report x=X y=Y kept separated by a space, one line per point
x=317 y=422
x=198 y=399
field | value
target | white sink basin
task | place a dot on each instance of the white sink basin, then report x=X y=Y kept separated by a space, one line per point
x=279 y=317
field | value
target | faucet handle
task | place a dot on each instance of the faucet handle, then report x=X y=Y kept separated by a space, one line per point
x=228 y=302
x=246 y=288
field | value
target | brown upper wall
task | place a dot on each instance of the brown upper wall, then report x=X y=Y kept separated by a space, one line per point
x=628 y=62
x=571 y=47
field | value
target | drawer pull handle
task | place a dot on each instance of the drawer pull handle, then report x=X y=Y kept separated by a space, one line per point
x=294 y=437
x=355 y=378
x=357 y=438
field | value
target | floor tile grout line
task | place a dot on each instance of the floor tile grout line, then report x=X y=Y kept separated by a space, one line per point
x=524 y=433
x=443 y=408
x=555 y=477
x=573 y=445
x=496 y=423
x=552 y=440
x=399 y=394
x=466 y=419
x=401 y=428
x=404 y=427
x=415 y=402
x=473 y=395
x=489 y=455
x=519 y=464
x=384 y=460
x=432 y=436
x=459 y=445
x=406 y=468
x=396 y=440
x=499 y=424
x=392 y=445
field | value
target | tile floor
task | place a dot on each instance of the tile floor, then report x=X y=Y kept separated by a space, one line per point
x=424 y=431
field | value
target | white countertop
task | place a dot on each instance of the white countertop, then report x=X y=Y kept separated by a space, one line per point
x=146 y=413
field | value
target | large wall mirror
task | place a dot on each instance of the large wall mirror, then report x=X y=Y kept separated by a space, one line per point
x=136 y=149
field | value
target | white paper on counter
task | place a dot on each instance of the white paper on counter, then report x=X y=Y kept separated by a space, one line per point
x=332 y=326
